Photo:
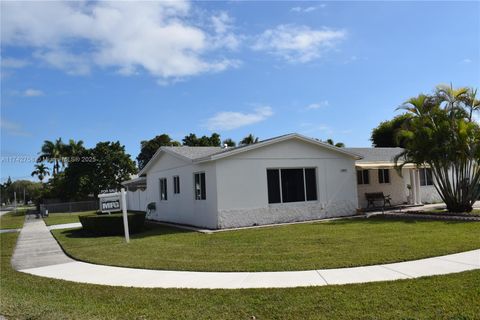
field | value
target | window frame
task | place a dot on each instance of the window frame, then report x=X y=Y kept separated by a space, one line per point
x=203 y=186
x=176 y=184
x=362 y=175
x=382 y=176
x=163 y=185
x=423 y=172
x=305 y=193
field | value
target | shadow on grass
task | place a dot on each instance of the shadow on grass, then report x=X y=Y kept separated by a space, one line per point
x=149 y=230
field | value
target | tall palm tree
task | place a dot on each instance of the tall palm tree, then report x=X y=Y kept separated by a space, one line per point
x=74 y=148
x=41 y=171
x=250 y=139
x=53 y=152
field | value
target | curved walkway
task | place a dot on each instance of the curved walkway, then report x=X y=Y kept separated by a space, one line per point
x=38 y=253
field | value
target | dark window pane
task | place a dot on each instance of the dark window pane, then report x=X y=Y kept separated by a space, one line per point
x=311 y=184
x=380 y=175
x=429 y=177
x=386 y=176
x=366 y=177
x=359 y=177
x=273 y=184
x=292 y=185
x=423 y=182
x=202 y=185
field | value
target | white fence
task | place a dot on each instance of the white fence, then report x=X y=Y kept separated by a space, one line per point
x=137 y=200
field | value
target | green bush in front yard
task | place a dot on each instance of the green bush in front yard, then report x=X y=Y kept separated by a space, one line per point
x=112 y=224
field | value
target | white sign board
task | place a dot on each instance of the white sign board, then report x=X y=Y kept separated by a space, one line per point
x=110 y=202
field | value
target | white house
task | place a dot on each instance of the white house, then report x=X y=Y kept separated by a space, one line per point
x=283 y=179
x=376 y=173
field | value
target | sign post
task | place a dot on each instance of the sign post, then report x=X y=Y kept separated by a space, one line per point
x=125 y=218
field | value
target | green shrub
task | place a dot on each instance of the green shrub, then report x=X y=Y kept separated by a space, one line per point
x=112 y=224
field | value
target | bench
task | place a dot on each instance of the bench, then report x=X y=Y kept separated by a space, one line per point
x=377 y=196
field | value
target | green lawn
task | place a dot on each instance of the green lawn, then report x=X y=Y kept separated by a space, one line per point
x=61 y=218
x=441 y=297
x=341 y=243
x=12 y=220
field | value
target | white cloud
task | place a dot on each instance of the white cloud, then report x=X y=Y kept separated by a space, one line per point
x=308 y=9
x=467 y=60
x=33 y=93
x=315 y=106
x=298 y=44
x=159 y=37
x=13 y=63
x=229 y=120
x=13 y=128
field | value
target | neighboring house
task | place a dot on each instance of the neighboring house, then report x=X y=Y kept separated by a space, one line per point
x=376 y=173
x=283 y=179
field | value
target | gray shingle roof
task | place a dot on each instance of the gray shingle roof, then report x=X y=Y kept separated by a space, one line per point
x=376 y=154
x=195 y=152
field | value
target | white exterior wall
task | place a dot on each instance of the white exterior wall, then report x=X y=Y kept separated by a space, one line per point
x=137 y=200
x=182 y=208
x=397 y=188
x=243 y=193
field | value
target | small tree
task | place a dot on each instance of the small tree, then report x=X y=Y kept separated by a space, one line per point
x=229 y=142
x=442 y=134
x=250 y=139
x=338 y=144
x=41 y=171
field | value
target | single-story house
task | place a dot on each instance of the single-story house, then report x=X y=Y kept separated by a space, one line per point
x=376 y=173
x=283 y=179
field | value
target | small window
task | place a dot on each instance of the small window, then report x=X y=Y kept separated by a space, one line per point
x=199 y=185
x=383 y=175
x=426 y=177
x=176 y=184
x=363 y=177
x=163 y=189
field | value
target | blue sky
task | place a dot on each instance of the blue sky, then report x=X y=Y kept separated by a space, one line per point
x=103 y=71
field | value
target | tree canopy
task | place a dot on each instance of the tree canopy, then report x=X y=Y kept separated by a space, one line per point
x=250 y=139
x=386 y=133
x=443 y=135
x=192 y=141
x=149 y=147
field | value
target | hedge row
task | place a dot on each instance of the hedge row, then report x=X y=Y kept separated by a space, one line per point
x=112 y=224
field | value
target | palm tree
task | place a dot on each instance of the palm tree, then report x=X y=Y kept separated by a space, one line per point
x=441 y=135
x=74 y=148
x=53 y=152
x=41 y=171
x=250 y=139
x=338 y=144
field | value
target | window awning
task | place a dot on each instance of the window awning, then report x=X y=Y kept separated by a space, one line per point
x=381 y=165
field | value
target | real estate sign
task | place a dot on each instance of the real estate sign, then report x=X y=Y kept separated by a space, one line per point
x=110 y=202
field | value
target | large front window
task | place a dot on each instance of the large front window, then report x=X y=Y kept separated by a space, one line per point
x=291 y=185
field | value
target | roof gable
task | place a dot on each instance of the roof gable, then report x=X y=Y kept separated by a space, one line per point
x=206 y=154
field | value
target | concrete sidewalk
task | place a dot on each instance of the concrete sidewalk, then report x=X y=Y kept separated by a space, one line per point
x=39 y=254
